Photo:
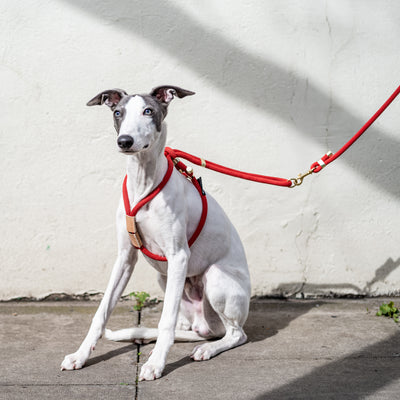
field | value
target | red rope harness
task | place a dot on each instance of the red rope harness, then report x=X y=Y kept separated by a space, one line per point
x=315 y=167
x=131 y=213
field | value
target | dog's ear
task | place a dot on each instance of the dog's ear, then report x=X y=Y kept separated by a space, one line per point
x=166 y=93
x=110 y=97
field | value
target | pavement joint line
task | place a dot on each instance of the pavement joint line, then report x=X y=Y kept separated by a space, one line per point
x=63 y=384
x=363 y=356
x=138 y=354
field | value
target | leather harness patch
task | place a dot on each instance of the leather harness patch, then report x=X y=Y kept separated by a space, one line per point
x=133 y=232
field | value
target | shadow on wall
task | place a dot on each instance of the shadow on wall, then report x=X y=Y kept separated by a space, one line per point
x=265 y=85
x=296 y=288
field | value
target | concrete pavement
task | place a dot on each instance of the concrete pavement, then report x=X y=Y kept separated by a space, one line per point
x=310 y=349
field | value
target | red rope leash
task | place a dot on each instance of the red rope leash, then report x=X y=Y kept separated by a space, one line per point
x=316 y=167
x=271 y=180
x=228 y=171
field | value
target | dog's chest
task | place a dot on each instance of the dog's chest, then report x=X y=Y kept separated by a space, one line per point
x=150 y=224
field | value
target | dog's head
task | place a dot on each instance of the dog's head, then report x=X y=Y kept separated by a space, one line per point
x=138 y=118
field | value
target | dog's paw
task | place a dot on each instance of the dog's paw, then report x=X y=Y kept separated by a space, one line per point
x=149 y=372
x=202 y=352
x=73 y=361
x=183 y=324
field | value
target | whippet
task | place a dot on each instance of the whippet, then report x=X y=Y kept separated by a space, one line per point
x=207 y=284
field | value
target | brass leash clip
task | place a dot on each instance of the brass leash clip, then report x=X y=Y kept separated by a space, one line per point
x=319 y=164
x=299 y=180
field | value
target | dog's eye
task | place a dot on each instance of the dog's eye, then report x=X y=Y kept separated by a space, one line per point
x=117 y=113
x=148 y=111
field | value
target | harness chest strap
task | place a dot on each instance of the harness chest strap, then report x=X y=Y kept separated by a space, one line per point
x=131 y=226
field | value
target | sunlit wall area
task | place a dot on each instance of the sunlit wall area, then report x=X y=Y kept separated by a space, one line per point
x=277 y=84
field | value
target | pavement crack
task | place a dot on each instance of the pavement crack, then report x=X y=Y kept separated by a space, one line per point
x=61 y=384
x=138 y=354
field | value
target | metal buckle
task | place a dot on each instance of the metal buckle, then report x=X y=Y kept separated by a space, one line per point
x=299 y=180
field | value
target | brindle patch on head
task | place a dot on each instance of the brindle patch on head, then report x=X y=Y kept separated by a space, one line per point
x=159 y=110
x=120 y=108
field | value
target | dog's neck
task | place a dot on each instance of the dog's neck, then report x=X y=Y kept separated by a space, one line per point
x=146 y=169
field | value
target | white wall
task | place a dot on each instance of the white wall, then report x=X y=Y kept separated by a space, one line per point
x=278 y=84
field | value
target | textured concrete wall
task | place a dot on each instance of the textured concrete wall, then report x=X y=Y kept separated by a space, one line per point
x=278 y=84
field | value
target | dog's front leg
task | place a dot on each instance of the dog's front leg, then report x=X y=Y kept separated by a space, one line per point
x=120 y=275
x=177 y=268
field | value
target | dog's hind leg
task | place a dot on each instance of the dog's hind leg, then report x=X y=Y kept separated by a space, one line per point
x=231 y=305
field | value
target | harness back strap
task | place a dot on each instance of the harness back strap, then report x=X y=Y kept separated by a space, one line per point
x=133 y=232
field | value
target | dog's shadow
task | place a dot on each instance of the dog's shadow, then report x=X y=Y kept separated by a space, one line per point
x=113 y=353
x=266 y=318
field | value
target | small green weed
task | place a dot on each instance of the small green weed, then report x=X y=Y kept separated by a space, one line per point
x=140 y=298
x=390 y=311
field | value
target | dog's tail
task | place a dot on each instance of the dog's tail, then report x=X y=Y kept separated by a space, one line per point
x=147 y=335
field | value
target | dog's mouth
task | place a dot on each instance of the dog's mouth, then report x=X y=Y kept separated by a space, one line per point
x=130 y=151
x=127 y=151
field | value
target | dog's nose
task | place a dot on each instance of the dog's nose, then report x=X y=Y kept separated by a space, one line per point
x=125 y=142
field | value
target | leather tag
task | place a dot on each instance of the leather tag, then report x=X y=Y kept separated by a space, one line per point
x=133 y=232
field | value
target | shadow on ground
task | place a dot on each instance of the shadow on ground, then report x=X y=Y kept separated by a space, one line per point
x=111 y=354
x=356 y=376
x=266 y=319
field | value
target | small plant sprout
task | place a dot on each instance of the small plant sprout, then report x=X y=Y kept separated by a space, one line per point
x=140 y=298
x=390 y=311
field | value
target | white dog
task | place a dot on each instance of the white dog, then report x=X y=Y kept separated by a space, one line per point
x=206 y=278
